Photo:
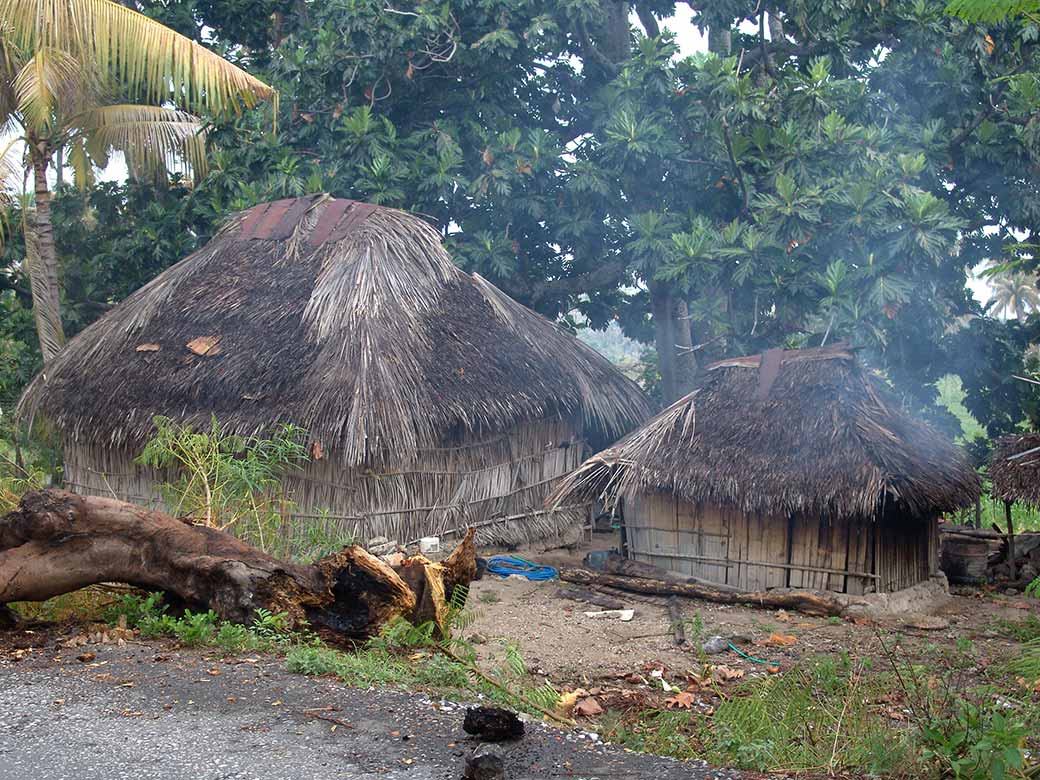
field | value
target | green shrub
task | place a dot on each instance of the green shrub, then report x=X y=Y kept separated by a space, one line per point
x=975 y=743
x=135 y=609
x=314 y=661
x=196 y=628
x=234 y=638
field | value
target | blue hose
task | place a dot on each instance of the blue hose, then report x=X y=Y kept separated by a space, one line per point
x=505 y=565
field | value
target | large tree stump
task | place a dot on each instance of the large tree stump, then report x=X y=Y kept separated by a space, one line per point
x=57 y=542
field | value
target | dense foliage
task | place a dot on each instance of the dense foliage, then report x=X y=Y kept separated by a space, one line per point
x=829 y=171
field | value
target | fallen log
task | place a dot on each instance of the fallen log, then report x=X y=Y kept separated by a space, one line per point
x=809 y=602
x=57 y=542
x=618 y=564
x=589 y=597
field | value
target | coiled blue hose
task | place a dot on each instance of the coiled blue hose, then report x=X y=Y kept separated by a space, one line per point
x=506 y=565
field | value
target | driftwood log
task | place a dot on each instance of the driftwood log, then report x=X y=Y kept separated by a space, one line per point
x=57 y=542
x=809 y=602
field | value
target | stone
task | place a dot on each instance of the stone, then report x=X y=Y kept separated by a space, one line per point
x=485 y=766
x=715 y=644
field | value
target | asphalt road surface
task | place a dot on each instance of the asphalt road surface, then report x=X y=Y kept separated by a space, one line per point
x=150 y=712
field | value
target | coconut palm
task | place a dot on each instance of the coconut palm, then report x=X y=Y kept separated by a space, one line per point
x=1014 y=295
x=68 y=69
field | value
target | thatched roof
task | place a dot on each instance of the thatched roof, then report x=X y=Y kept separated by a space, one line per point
x=1014 y=468
x=347 y=319
x=786 y=432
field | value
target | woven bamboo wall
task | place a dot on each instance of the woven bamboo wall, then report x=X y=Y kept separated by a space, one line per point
x=497 y=484
x=755 y=552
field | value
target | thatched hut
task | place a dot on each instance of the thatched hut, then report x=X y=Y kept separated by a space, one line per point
x=789 y=468
x=434 y=400
x=1014 y=469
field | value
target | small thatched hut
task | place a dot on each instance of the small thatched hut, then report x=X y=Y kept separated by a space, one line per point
x=789 y=468
x=1014 y=469
x=435 y=401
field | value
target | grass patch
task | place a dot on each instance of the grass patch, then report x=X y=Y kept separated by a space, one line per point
x=88 y=604
x=817 y=717
x=148 y=614
x=675 y=734
x=1025 y=630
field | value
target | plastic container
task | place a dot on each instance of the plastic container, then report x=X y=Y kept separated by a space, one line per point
x=430 y=544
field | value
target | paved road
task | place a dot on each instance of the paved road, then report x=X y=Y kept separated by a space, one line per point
x=145 y=712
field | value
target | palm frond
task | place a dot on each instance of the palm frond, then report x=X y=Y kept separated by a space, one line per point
x=80 y=162
x=46 y=302
x=49 y=79
x=150 y=136
x=150 y=60
x=10 y=170
x=10 y=63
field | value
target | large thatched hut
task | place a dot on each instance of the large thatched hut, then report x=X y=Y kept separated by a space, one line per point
x=789 y=468
x=434 y=400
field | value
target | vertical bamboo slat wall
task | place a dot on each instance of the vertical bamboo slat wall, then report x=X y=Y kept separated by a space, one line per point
x=756 y=552
x=497 y=484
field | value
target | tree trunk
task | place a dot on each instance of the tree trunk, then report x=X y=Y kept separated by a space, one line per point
x=720 y=41
x=43 y=260
x=57 y=542
x=676 y=359
x=809 y=602
x=616 y=43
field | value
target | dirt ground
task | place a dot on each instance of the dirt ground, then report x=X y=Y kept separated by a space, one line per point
x=556 y=639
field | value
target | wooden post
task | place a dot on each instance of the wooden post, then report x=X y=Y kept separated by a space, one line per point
x=675 y=616
x=1012 y=574
x=978 y=511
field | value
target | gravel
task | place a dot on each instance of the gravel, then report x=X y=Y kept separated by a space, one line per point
x=142 y=711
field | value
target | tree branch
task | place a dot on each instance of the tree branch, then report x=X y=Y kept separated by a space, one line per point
x=593 y=52
x=736 y=168
x=608 y=274
x=649 y=21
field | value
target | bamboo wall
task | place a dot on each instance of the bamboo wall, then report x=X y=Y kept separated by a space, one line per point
x=757 y=552
x=497 y=484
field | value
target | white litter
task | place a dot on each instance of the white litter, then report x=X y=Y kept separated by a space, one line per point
x=623 y=615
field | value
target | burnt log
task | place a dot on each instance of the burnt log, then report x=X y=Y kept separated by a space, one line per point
x=809 y=602
x=57 y=542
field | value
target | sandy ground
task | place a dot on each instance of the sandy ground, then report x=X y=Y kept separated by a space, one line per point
x=556 y=638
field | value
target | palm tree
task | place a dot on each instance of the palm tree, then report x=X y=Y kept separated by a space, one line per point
x=66 y=66
x=1014 y=295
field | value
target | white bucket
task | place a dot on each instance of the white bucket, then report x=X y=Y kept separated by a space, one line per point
x=430 y=544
